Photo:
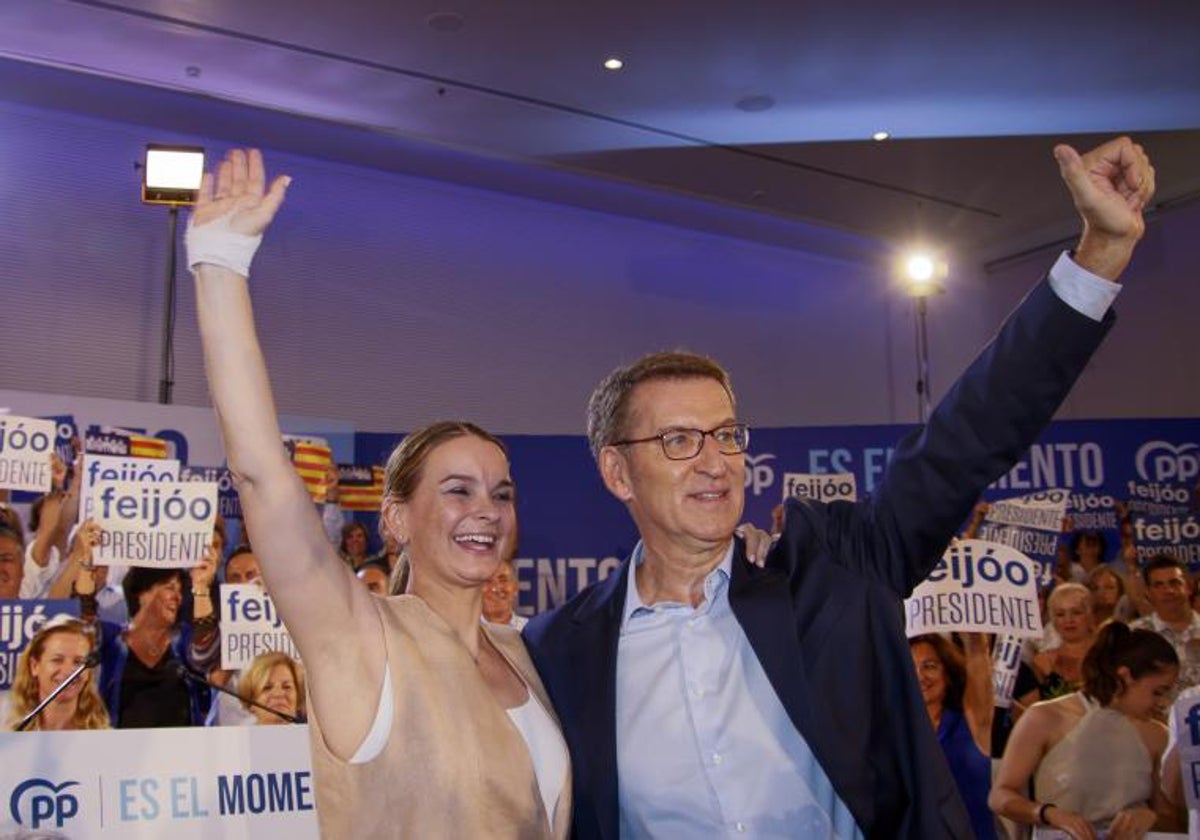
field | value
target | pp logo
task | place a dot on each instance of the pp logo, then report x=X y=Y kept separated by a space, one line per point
x=1158 y=460
x=759 y=474
x=41 y=803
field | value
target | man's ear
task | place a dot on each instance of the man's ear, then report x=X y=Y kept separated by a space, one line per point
x=614 y=469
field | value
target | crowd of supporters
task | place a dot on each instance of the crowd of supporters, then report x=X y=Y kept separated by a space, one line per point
x=1081 y=748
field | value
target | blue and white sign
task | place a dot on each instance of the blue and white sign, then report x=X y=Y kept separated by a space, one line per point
x=19 y=622
x=977 y=587
x=250 y=625
x=160 y=524
x=228 y=782
x=1185 y=735
x=1032 y=525
x=97 y=468
x=817 y=487
x=1178 y=536
x=26 y=446
x=229 y=504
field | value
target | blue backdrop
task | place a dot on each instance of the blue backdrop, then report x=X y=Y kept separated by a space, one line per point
x=574 y=533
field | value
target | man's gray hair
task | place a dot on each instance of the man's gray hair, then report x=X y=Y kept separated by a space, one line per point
x=608 y=408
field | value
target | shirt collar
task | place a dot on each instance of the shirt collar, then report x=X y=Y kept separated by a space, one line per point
x=1161 y=626
x=634 y=604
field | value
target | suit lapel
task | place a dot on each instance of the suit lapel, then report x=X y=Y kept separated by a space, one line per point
x=763 y=606
x=597 y=624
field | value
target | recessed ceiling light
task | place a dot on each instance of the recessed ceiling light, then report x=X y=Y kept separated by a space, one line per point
x=880 y=135
x=758 y=102
x=193 y=71
x=613 y=63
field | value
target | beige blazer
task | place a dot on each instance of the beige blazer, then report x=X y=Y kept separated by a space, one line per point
x=454 y=764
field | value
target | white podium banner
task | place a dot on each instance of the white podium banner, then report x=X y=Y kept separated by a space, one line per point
x=224 y=782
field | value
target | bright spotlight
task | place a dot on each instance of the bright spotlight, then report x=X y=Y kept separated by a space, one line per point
x=921 y=273
x=172 y=174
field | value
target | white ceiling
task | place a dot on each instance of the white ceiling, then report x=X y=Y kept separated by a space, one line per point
x=973 y=95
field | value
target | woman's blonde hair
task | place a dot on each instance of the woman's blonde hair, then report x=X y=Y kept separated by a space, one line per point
x=1065 y=590
x=90 y=711
x=251 y=683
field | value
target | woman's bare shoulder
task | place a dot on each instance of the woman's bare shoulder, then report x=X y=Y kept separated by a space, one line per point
x=1054 y=715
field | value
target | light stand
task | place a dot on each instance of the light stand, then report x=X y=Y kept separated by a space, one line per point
x=172 y=177
x=922 y=274
x=166 y=382
x=924 y=404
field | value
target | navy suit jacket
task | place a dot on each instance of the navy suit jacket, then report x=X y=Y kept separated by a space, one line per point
x=824 y=616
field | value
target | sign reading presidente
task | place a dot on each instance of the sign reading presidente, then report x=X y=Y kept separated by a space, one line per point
x=250 y=626
x=1042 y=511
x=977 y=587
x=26 y=445
x=166 y=524
x=1030 y=524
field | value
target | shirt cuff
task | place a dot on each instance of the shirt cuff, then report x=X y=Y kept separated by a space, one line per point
x=1081 y=290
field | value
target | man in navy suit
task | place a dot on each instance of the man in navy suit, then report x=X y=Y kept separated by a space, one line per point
x=701 y=695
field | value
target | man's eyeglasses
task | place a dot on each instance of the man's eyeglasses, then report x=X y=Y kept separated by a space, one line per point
x=682 y=444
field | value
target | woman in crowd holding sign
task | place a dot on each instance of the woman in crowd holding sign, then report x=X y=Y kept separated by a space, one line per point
x=445 y=729
x=53 y=654
x=1094 y=755
x=957 y=690
x=140 y=675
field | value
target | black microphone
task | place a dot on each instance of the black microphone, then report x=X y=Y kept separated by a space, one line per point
x=187 y=673
x=91 y=661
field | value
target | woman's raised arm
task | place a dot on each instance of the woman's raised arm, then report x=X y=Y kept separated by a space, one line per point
x=327 y=611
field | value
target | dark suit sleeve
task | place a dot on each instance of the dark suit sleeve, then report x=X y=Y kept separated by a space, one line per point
x=984 y=424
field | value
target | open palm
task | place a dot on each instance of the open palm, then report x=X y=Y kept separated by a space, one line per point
x=238 y=190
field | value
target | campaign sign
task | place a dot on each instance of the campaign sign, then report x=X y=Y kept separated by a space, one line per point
x=113 y=440
x=188 y=782
x=250 y=625
x=820 y=487
x=1178 y=536
x=1093 y=512
x=64 y=447
x=65 y=433
x=1006 y=661
x=1031 y=524
x=97 y=468
x=1041 y=547
x=1157 y=498
x=19 y=622
x=977 y=587
x=229 y=504
x=1041 y=511
x=26 y=444
x=162 y=524
x=1185 y=734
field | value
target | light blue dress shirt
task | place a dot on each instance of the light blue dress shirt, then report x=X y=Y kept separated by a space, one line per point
x=705 y=747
